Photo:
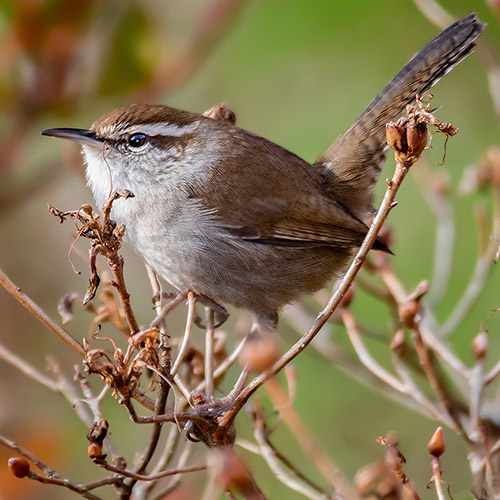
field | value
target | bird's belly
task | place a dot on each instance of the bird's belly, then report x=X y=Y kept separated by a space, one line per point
x=193 y=252
x=245 y=274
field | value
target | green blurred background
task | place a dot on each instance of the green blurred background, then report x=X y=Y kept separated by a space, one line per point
x=296 y=72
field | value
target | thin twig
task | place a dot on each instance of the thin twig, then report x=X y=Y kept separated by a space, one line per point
x=152 y=477
x=66 y=483
x=424 y=402
x=492 y=374
x=176 y=480
x=295 y=470
x=268 y=455
x=30 y=456
x=436 y=382
x=116 y=263
x=168 y=308
x=350 y=366
x=396 y=288
x=40 y=314
x=225 y=365
x=209 y=351
x=436 y=478
x=366 y=358
x=481 y=271
x=187 y=335
x=445 y=233
x=92 y=401
x=300 y=431
x=434 y=13
x=471 y=293
x=29 y=370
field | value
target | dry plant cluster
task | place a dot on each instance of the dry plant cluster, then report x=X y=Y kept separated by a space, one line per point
x=162 y=377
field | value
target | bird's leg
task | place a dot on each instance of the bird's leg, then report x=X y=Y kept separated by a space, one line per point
x=221 y=313
x=176 y=299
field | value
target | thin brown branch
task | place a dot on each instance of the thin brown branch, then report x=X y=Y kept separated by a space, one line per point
x=164 y=386
x=209 y=351
x=434 y=194
x=176 y=480
x=187 y=335
x=225 y=365
x=425 y=404
x=28 y=369
x=397 y=290
x=270 y=457
x=40 y=314
x=102 y=482
x=181 y=297
x=153 y=477
x=436 y=478
x=30 y=456
x=436 y=381
x=116 y=262
x=366 y=358
x=65 y=483
x=300 y=431
x=482 y=267
x=278 y=455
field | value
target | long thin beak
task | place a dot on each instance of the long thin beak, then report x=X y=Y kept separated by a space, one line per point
x=81 y=135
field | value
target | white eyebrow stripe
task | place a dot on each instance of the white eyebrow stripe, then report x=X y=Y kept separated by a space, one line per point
x=167 y=129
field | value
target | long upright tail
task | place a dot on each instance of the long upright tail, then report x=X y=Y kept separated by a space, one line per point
x=353 y=162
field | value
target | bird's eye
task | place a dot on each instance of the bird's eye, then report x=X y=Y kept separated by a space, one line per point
x=137 y=140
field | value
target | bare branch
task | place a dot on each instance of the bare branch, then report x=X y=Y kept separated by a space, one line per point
x=209 y=351
x=186 y=336
x=40 y=314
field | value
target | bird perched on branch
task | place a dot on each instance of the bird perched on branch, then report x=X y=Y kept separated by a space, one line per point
x=236 y=218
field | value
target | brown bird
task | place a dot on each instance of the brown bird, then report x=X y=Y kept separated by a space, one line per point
x=236 y=218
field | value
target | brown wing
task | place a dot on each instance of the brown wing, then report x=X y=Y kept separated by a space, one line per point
x=269 y=195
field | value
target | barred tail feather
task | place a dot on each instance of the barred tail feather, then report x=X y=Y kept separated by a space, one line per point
x=353 y=162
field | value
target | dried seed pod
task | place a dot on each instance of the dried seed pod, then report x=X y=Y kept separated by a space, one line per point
x=436 y=444
x=416 y=138
x=98 y=432
x=395 y=137
x=94 y=450
x=19 y=466
x=260 y=352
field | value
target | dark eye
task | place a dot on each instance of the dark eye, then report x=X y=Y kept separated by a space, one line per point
x=137 y=140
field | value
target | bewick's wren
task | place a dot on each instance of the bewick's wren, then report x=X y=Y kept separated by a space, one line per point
x=237 y=218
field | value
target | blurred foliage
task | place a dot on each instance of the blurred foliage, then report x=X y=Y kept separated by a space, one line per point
x=295 y=72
